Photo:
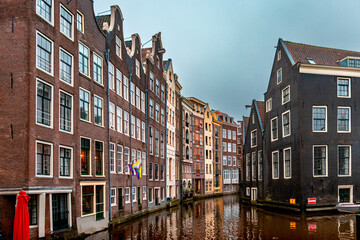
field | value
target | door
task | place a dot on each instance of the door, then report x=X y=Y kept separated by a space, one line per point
x=121 y=205
x=60 y=211
x=139 y=196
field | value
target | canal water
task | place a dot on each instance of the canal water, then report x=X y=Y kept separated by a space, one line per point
x=227 y=218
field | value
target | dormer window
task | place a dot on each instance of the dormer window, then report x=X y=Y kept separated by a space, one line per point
x=311 y=61
x=350 y=62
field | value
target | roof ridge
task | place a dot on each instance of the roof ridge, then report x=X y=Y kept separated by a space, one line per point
x=315 y=46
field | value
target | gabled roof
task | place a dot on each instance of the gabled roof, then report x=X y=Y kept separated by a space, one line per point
x=145 y=51
x=261 y=109
x=300 y=53
x=100 y=20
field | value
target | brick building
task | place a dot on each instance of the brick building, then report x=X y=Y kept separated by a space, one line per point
x=217 y=151
x=209 y=166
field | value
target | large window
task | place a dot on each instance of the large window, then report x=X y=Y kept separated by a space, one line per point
x=113 y=196
x=156 y=171
x=97 y=68
x=132 y=93
x=344 y=87
x=157 y=90
x=80 y=21
x=286 y=95
x=279 y=76
x=126 y=123
x=260 y=165
x=118 y=47
x=229 y=161
x=138 y=98
x=320 y=161
x=44 y=104
x=66 y=67
x=84 y=105
x=275 y=165
x=119 y=157
x=85 y=157
x=254 y=165
x=319 y=118
x=112 y=158
x=98 y=110
x=44 y=9
x=65 y=161
x=112 y=115
x=287 y=162
x=65 y=112
x=344 y=119
x=138 y=127
x=162 y=93
x=142 y=104
x=119 y=86
x=44 y=53
x=126 y=159
x=151 y=81
x=162 y=118
x=268 y=105
x=344 y=160
x=126 y=88
x=151 y=108
x=132 y=126
x=66 y=22
x=127 y=195
x=99 y=158
x=162 y=145
x=150 y=171
x=157 y=112
x=151 y=139
x=87 y=199
x=156 y=142
x=253 y=138
x=274 y=129
x=111 y=76
x=43 y=159
x=286 y=124
x=84 y=53
x=248 y=167
x=224 y=160
x=93 y=200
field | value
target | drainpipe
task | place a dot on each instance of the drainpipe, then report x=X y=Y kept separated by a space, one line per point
x=108 y=100
x=181 y=146
x=130 y=118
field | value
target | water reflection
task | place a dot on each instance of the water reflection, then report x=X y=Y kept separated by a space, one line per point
x=226 y=218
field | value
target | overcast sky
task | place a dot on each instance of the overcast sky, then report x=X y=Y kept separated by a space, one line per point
x=223 y=50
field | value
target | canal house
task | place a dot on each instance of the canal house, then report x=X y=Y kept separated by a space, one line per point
x=311 y=139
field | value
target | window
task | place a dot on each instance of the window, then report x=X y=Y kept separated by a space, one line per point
x=162 y=172
x=45 y=10
x=229 y=147
x=65 y=112
x=138 y=126
x=137 y=68
x=234 y=148
x=344 y=87
x=279 y=76
x=286 y=95
x=65 y=161
x=162 y=93
x=253 y=138
x=126 y=159
x=319 y=119
x=156 y=171
x=112 y=158
x=279 y=55
x=85 y=157
x=260 y=165
x=345 y=194
x=113 y=196
x=132 y=93
x=150 y=171
x=162 y=118
x=233 y=135
x=274 y=129
x=143 y=133
x=224 y=160
x=138 y=98
x=142 y=104
x=118 y=47
x=151 y=108
x=111 y=77
x=126 y=123
x=84 y=105
x=344 y=119
x=66 y=22
x=87 y=199
x=99 y=157
x=234 y=162
x=275 y=165
x=224 y=133
x=269 y=105
x=229 y=160
x=143 y=161
x=43 y=159
x=151 y=81
x=44 y=53
x=119 y=156
x=144 y=192
x=80 y=22
x=344 y=160
x=66 y=67
x=84 y=59
x=254 y=165
x=253 y=118
x=157 y=112
x=286 y=123
x=224 y=146
x=97 y=68
x=229 y=134
x=320 y=161
x=150 y=195
x=132 y=130
x=126 y=88
x=119 y=123
x=119 y=82
x=248 y=167
x=156 y=142
x=127 y=195
x=162 y=145
x=33 y=206
x=99 y=202
x=151 y=134
x=157 y=88
x=98 y=111
x=287 y=163
x=44 y=103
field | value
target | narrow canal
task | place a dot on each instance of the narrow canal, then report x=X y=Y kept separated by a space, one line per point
x=227 y=218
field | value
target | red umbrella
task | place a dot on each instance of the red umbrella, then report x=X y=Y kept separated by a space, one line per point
x=21 y=221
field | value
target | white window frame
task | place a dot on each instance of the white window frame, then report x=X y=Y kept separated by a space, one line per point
x=317 y=131
x=114 y=160
x=72 y=112
x=251 y=138
x=282 y=95
x=101 y=69
x=128 y=194
x=277 y=129
x=351 y=193
x=71 y=162
x=144 y=193
x=253 y=170
x=272 y=164
x=119 y=119
x=287 y=149
x=51 y=22
x=51 y=159
x=90 y=106
x=120 y=162
x=337 y=125
x=279 y=55
x=279 y=71
x=113 y=196
x=102 y=111
x=51 y=73
x=82 y=21
x=337 y=87
x=247 y=167
x=112 y=81
x=282 y=125
x=118 y=48
x=326 y=164
x=134 y=199
x=52 y=104
x=88 y=60
x=72 y=67
x=350 y=160
x=247 y=191
x=269 y=105
x=72 y=22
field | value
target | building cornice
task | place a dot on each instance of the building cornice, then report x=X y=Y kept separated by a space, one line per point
x=329 y=70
